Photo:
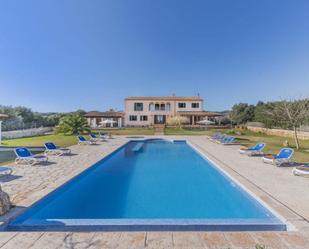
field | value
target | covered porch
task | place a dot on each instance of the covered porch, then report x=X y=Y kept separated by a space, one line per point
x=110 y=119
x=195 y=116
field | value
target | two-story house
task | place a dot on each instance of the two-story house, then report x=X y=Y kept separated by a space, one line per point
x=148 y=111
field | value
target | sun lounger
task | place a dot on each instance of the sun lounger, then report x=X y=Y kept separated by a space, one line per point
x=52 y=149
x=82 y=141
x=96 y=138
x=256 y=150
x=301 y=170
x=23 y=155
x=5 y=171
x=227 y=140
x=284 y=156
x=215 y=136
x=218 y=138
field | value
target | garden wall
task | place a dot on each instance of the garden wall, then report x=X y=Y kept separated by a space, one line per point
x=280 y=132
x=26 y=132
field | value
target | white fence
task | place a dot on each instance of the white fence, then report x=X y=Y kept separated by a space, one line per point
x=26 y=132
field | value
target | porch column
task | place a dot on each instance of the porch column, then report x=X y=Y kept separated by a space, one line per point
x=193 y=120
x=119 y=122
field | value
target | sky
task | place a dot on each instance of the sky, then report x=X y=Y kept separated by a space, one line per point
x=63 y=55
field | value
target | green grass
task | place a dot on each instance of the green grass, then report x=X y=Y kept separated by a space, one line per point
x=68 y=140
x=127 y=131
x=274 y=144
x=59 y=139
x=249 y=138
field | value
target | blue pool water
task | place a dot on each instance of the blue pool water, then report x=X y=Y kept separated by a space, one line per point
x=154 y=184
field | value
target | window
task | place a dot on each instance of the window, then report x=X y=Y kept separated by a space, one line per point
x=133 y=118
x=138 y=106
x=151 y=107
x=157 y=107
x=168 y=107
x=195 y=105
x=162 y=107
x=181 y=105
x=143 y=118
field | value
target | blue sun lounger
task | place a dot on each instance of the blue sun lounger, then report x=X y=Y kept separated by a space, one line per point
x=227 y=140
x=52 y=149
x=256 y=150
x=95 y=138
x=23 y=155
x=284 y=156
x=82 y=140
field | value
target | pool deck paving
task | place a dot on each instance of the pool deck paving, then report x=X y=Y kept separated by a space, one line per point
x=284 y=193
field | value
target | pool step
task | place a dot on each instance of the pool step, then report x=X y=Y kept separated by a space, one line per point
x=137 y=147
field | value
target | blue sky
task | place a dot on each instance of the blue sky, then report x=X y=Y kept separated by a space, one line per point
x=61 y=55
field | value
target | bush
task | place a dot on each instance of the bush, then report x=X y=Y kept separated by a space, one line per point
x=72 y=124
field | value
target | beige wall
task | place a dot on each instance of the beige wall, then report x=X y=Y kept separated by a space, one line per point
x=129 y=110
x=280 y=132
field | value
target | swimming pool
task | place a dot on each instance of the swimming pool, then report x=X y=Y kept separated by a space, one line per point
x=149 y=185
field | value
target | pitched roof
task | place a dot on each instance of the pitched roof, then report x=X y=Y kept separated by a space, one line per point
x=165 y=98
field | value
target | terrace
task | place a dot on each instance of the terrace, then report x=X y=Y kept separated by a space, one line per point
x=29 y=184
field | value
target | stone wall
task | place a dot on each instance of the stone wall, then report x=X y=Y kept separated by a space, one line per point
x=280 y=132
x=26 y=132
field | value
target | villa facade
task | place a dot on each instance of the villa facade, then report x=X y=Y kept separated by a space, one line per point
x=150 y=111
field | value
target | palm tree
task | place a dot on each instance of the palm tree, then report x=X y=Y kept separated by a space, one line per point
x=73 y=124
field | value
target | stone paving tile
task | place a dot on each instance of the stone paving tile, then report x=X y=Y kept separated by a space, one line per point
x=108 y=240
x=22 y=240
x=79 y=240
x=130 y=240
x=215 y=240
x=50 y=240
x=295 y=240
x=240 y=240
x=6 y=236
x=271 y=240
x=187 y=240
x=159 y=240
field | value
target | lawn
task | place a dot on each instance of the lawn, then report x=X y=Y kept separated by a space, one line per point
x=127 y=131
x=59 y=139
x=249 y=138
x=68 y=140
x=275 y=143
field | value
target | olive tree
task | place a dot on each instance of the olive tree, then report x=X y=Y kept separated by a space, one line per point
x=242 y=113
x=290 y=114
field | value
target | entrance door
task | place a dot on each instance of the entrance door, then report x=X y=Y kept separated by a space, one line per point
x=159 y=119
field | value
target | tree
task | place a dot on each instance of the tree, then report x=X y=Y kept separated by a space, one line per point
x=177 y=121
x=23 y=118
x=290 y=114
x=259 y=114
x=72 y=124
x=242 y=113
